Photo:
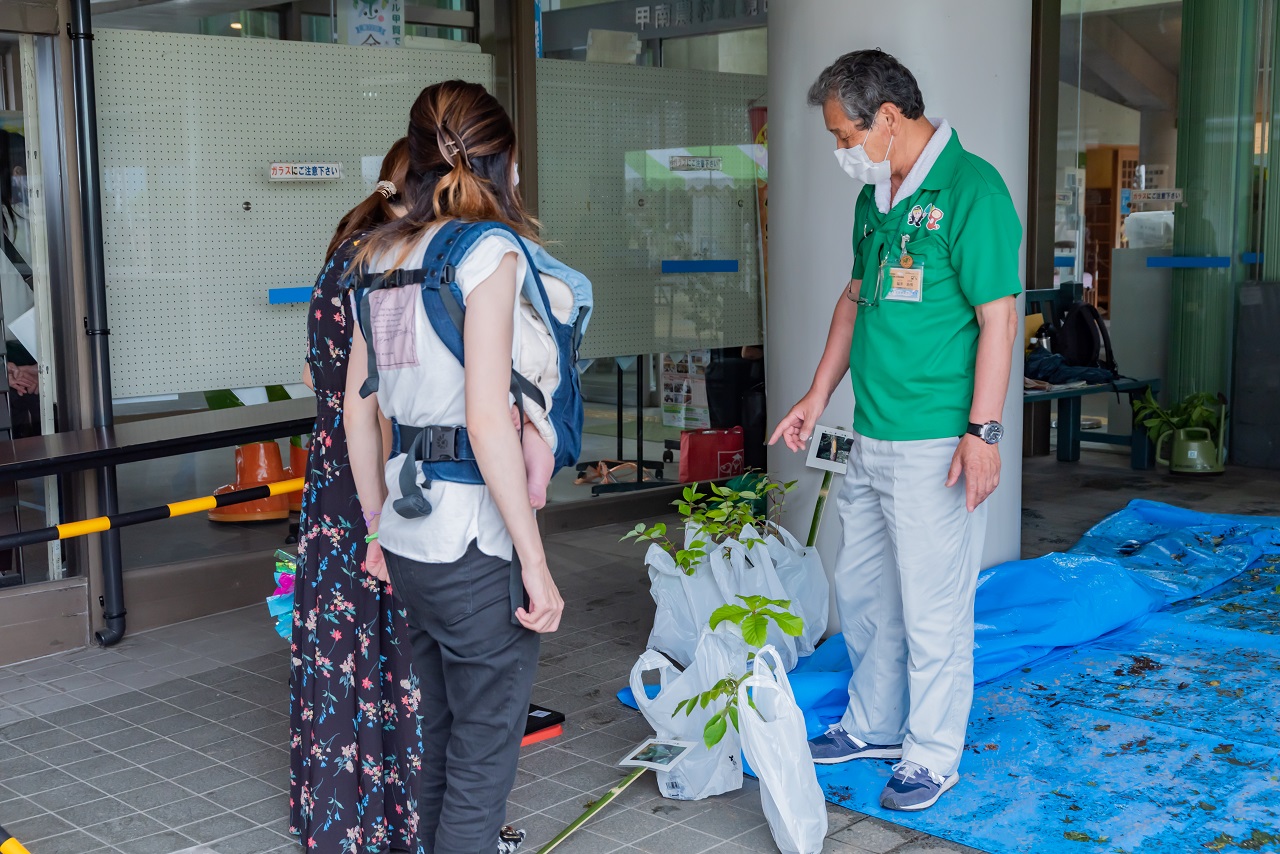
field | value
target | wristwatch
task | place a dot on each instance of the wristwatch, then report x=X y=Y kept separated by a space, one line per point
x=991 y=432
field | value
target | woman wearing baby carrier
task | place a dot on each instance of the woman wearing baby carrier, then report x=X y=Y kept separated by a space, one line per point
x=465 y=558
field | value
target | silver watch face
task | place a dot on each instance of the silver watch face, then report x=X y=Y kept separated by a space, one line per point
x=992 y=432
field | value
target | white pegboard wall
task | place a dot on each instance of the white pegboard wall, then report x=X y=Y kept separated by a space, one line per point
x=589 y=117
x=187 y=128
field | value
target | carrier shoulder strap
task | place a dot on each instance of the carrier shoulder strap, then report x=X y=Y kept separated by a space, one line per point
x=442 y=298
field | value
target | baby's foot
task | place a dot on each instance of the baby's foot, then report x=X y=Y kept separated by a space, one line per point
x=539 y=465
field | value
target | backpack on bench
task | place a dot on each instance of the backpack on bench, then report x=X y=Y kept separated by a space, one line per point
x=1080 y=337
x=443 y=452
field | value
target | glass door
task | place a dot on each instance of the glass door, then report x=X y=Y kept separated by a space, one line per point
x=27 y=404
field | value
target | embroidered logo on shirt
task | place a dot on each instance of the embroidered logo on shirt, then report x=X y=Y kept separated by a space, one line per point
x=935 y=214
x=916 y=217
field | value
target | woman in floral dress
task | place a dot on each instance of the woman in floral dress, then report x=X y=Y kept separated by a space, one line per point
x=354 y=743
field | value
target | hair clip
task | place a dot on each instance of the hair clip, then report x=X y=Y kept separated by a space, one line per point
x=386 y=188
x=451 y=146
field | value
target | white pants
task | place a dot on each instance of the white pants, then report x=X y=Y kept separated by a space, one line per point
x=905 y=580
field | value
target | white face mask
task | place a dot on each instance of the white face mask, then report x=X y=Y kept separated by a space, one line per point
x=860 y=167
x=515 y=180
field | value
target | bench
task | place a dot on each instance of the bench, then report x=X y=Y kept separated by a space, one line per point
x=153 y=438
x=148 y=439
x=1051 y=304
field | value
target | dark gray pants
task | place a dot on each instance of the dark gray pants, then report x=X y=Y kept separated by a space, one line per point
x=476 y=669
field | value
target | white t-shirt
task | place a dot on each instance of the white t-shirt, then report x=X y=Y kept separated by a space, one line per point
x=404 y=340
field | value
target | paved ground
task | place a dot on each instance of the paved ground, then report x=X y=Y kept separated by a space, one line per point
x=175 y=740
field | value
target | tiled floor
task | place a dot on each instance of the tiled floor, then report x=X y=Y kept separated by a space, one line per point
x=175 y=740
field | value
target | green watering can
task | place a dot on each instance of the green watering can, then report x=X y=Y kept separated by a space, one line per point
x=1194 y=451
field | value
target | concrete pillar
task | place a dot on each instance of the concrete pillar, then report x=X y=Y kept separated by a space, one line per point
x=972 y=61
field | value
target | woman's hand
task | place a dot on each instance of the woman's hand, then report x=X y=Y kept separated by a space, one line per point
x=375 y=563
x=545 y=604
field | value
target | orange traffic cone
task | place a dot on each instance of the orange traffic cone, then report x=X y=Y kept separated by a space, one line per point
x=257 y=463
x=297 y=468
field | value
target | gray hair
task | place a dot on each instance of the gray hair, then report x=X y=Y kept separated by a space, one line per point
x=864 y=80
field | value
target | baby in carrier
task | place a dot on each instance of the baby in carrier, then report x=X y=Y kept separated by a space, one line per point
x=552 y=309
x=540 y=364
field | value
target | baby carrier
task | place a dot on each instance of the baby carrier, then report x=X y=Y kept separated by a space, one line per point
x=443 y=451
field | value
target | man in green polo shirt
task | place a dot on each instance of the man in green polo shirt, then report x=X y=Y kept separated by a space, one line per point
x=926 y=327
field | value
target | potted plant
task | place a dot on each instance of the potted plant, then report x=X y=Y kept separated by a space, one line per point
x=1195 y=427
x=752 y=617
x=733 y=545
x=751 y=506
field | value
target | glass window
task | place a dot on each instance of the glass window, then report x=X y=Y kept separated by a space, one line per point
x=317 y=28
x=1164 y=196
x=30 y=214
x=251 y=24
x=454 y=34
x=193 y=190
x=659 y=203
x=451 y=5
x=738 y=52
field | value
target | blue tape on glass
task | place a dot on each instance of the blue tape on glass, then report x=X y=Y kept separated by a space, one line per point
x=1064 y=260
x=1251 y=257
x=724 y=266
x=1188 y=262
x=285 y=296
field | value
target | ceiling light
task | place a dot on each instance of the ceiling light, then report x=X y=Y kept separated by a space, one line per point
x=236 y=25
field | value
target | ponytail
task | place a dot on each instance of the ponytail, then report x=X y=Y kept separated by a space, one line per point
x=377 y=209
x=461 y=147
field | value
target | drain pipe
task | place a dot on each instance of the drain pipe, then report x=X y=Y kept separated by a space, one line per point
x=95 y=324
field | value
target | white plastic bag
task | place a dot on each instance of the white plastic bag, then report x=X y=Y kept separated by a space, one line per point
x=684 y=603
x=803 y=577
x=750 y=572
x=706 y=771
x=773 y=739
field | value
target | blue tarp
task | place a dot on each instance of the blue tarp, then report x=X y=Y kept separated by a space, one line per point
x=1130 y=700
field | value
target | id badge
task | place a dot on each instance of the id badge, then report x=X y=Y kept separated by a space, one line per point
x=906 y=284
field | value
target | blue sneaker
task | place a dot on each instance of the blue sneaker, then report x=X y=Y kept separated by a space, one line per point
x=835 y=746
x=914 y=787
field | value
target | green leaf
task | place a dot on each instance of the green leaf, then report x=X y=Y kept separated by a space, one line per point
x=754 y=630
x=732 y=613
x=714 y=730
x=732 y=712
x=789 y=623
x=658 y=530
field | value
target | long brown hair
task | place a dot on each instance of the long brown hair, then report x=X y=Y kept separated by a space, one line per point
x=461 y=148
x=377 y=209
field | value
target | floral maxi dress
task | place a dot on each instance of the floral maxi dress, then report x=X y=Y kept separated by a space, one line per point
x=354 y=746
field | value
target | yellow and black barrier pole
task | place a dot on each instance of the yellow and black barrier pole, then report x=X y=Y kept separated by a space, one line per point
x=9 y=845
x=67 y=530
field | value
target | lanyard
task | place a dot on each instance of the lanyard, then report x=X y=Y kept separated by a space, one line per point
x=902 y=238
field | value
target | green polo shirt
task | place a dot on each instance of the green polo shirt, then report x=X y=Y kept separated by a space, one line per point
x=912 y=362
